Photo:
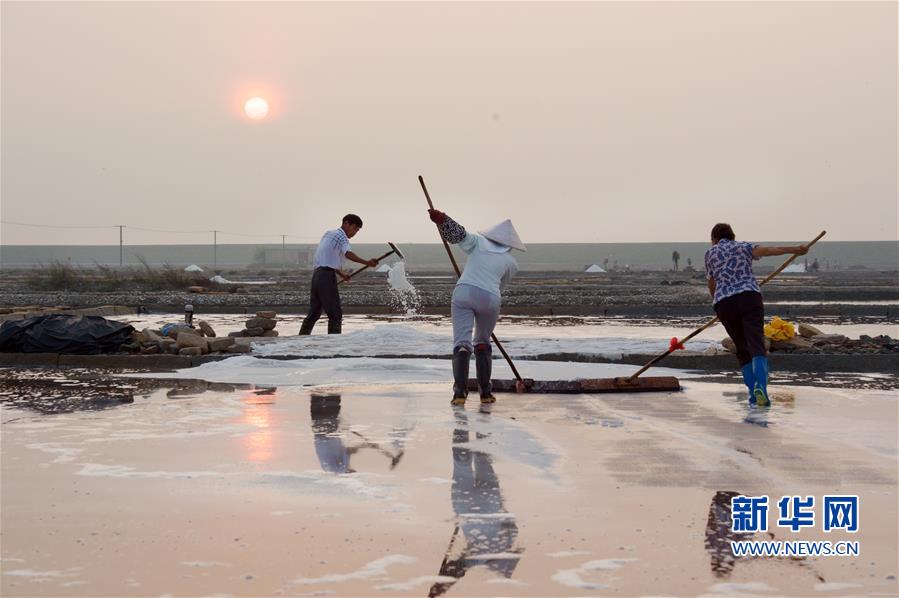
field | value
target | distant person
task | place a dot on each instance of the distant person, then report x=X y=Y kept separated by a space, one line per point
x=327 y=264
x=477 y=297
x=737 y=300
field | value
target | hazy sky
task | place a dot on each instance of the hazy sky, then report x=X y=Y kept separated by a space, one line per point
x=584 y=122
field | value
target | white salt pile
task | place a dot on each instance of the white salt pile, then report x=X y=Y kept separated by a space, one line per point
x=405 y=295
x=222 y=280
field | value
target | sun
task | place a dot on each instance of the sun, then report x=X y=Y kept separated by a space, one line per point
x=256 y=108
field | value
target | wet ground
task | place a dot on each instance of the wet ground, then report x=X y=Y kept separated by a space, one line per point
x=139 y=486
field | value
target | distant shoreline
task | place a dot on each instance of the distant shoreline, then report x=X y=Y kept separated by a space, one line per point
x=569 y=257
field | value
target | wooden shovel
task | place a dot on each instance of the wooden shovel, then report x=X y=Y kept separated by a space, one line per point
x=393 y=249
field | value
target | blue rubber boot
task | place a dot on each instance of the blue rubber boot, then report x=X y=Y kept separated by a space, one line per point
x=749 y=381
x=760 y=371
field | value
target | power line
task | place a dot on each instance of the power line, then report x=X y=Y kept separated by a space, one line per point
x=161 y=230
x=224 y=232
x=55 y=225
x=121 y=245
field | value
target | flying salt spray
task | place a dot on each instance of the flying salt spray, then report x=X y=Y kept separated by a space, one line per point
x=405 y=296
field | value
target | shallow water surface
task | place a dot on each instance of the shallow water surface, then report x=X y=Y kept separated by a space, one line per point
x=195 y=487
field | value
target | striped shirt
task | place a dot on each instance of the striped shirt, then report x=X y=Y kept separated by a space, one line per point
x=729 y=263
x=331 y=250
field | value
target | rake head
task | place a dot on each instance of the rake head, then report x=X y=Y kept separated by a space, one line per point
x=396 y=250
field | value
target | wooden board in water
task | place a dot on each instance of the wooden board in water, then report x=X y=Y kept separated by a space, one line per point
x=588 y=385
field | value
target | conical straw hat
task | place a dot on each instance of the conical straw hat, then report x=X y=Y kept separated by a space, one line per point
x=505 y=234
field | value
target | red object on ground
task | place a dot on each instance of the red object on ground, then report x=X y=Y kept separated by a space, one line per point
x=675 y=345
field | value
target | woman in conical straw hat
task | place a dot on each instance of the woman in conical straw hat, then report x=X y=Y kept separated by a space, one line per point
x=477 y=297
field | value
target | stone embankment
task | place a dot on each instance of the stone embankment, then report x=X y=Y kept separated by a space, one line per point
x=29 y=311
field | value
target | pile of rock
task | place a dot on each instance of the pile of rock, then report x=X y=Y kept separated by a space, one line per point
x=812 y=340
x=184 y=340
x=263 y=324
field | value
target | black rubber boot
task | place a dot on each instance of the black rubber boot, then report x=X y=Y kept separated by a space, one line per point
x=483 y=360
x=461 y=360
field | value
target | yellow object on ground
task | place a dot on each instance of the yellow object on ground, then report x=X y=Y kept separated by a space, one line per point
x=779 y=330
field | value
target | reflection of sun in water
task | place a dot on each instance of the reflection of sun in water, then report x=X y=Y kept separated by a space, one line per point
x=259 y=442
x=256 y=108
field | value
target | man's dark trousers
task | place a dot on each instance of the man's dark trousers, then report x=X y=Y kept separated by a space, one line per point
x=743 y=316
x=324 y=295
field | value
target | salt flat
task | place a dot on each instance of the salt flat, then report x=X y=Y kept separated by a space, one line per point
x=271 y=488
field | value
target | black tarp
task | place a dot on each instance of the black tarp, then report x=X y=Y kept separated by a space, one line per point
x=59 y=333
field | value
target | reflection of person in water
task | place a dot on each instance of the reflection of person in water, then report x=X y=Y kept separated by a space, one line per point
x=489 y=530
x=333 y=454
x=718 y=534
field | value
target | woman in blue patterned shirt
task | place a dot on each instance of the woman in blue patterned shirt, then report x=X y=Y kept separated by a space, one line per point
x=738 y=302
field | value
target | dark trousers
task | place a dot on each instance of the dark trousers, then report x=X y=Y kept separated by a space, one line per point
x=324 y=296
x=743 y=316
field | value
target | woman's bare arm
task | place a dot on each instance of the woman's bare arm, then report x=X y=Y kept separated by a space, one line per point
x=758 y=252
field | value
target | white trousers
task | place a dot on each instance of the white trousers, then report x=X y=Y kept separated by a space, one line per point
x=473 y=308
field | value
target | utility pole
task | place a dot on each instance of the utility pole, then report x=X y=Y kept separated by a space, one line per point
x=121 y=251
x=215 y=249
x=284 y=248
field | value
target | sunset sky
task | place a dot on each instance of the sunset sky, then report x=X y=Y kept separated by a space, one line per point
x=583 y=122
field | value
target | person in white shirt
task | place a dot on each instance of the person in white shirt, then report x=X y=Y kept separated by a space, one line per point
x=327 y=264
x=477 y=297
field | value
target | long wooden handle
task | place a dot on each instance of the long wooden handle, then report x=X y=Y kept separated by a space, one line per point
x=446 y=246
x=355 y=272
x=662 y=356
x=792 y=257
x=449 y=252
